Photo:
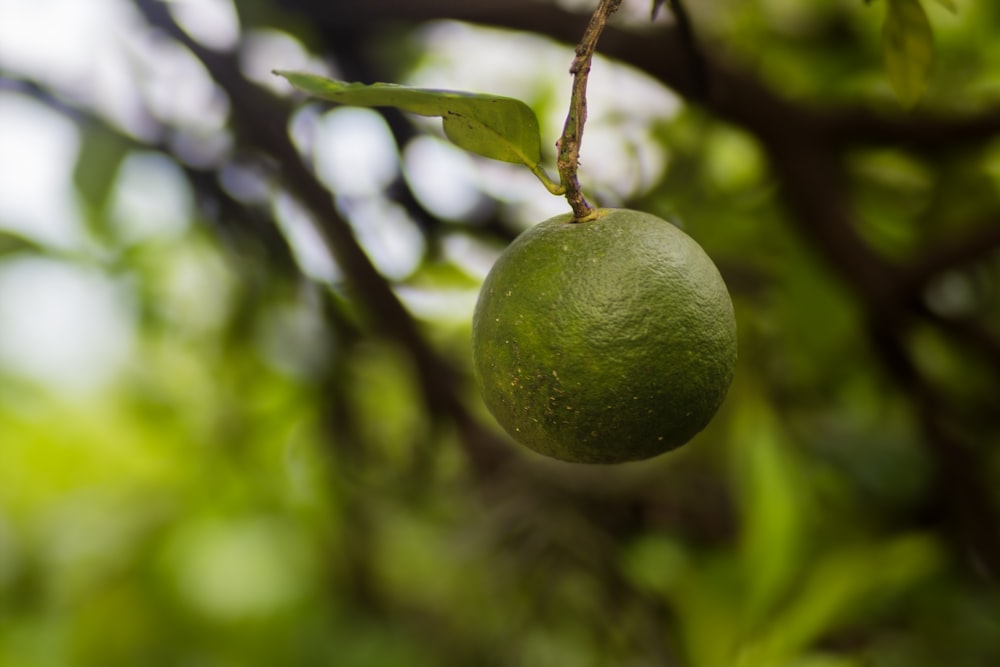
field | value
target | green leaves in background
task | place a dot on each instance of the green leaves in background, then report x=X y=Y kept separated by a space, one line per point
x=500 y=128
x=908 y=48
x=12 y=243
x=770 y=484
x=950 y=5
x=102 y=152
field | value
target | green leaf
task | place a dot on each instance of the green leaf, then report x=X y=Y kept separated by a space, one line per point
x=774 y=501
x=908 y=47
x=101 y=153
x=12 y=243
x=840 y=586
x=501 y=128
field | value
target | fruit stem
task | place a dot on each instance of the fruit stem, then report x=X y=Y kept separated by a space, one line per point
x=572 y=135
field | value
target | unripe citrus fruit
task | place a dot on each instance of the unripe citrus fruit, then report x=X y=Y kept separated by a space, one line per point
x=604 y=341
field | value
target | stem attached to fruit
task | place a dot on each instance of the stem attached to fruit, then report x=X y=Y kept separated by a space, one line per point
x=572 y=135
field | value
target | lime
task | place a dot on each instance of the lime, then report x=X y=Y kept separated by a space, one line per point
x=604 y=341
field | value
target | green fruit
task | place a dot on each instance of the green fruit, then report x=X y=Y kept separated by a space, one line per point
x=604 y=341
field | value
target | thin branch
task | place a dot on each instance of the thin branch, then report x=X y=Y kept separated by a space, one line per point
x=928 y=132
x=685 y=32
x=572 y=134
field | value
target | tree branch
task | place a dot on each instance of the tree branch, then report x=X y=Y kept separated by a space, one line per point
x=685 y=32
x=576 y=119
x=261 y=121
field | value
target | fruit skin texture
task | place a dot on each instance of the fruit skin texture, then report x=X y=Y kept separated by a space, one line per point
x=604 y=341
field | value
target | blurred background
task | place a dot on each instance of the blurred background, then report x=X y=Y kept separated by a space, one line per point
x=237 y=419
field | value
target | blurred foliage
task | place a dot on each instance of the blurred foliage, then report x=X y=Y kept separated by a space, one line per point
x=264 y=479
